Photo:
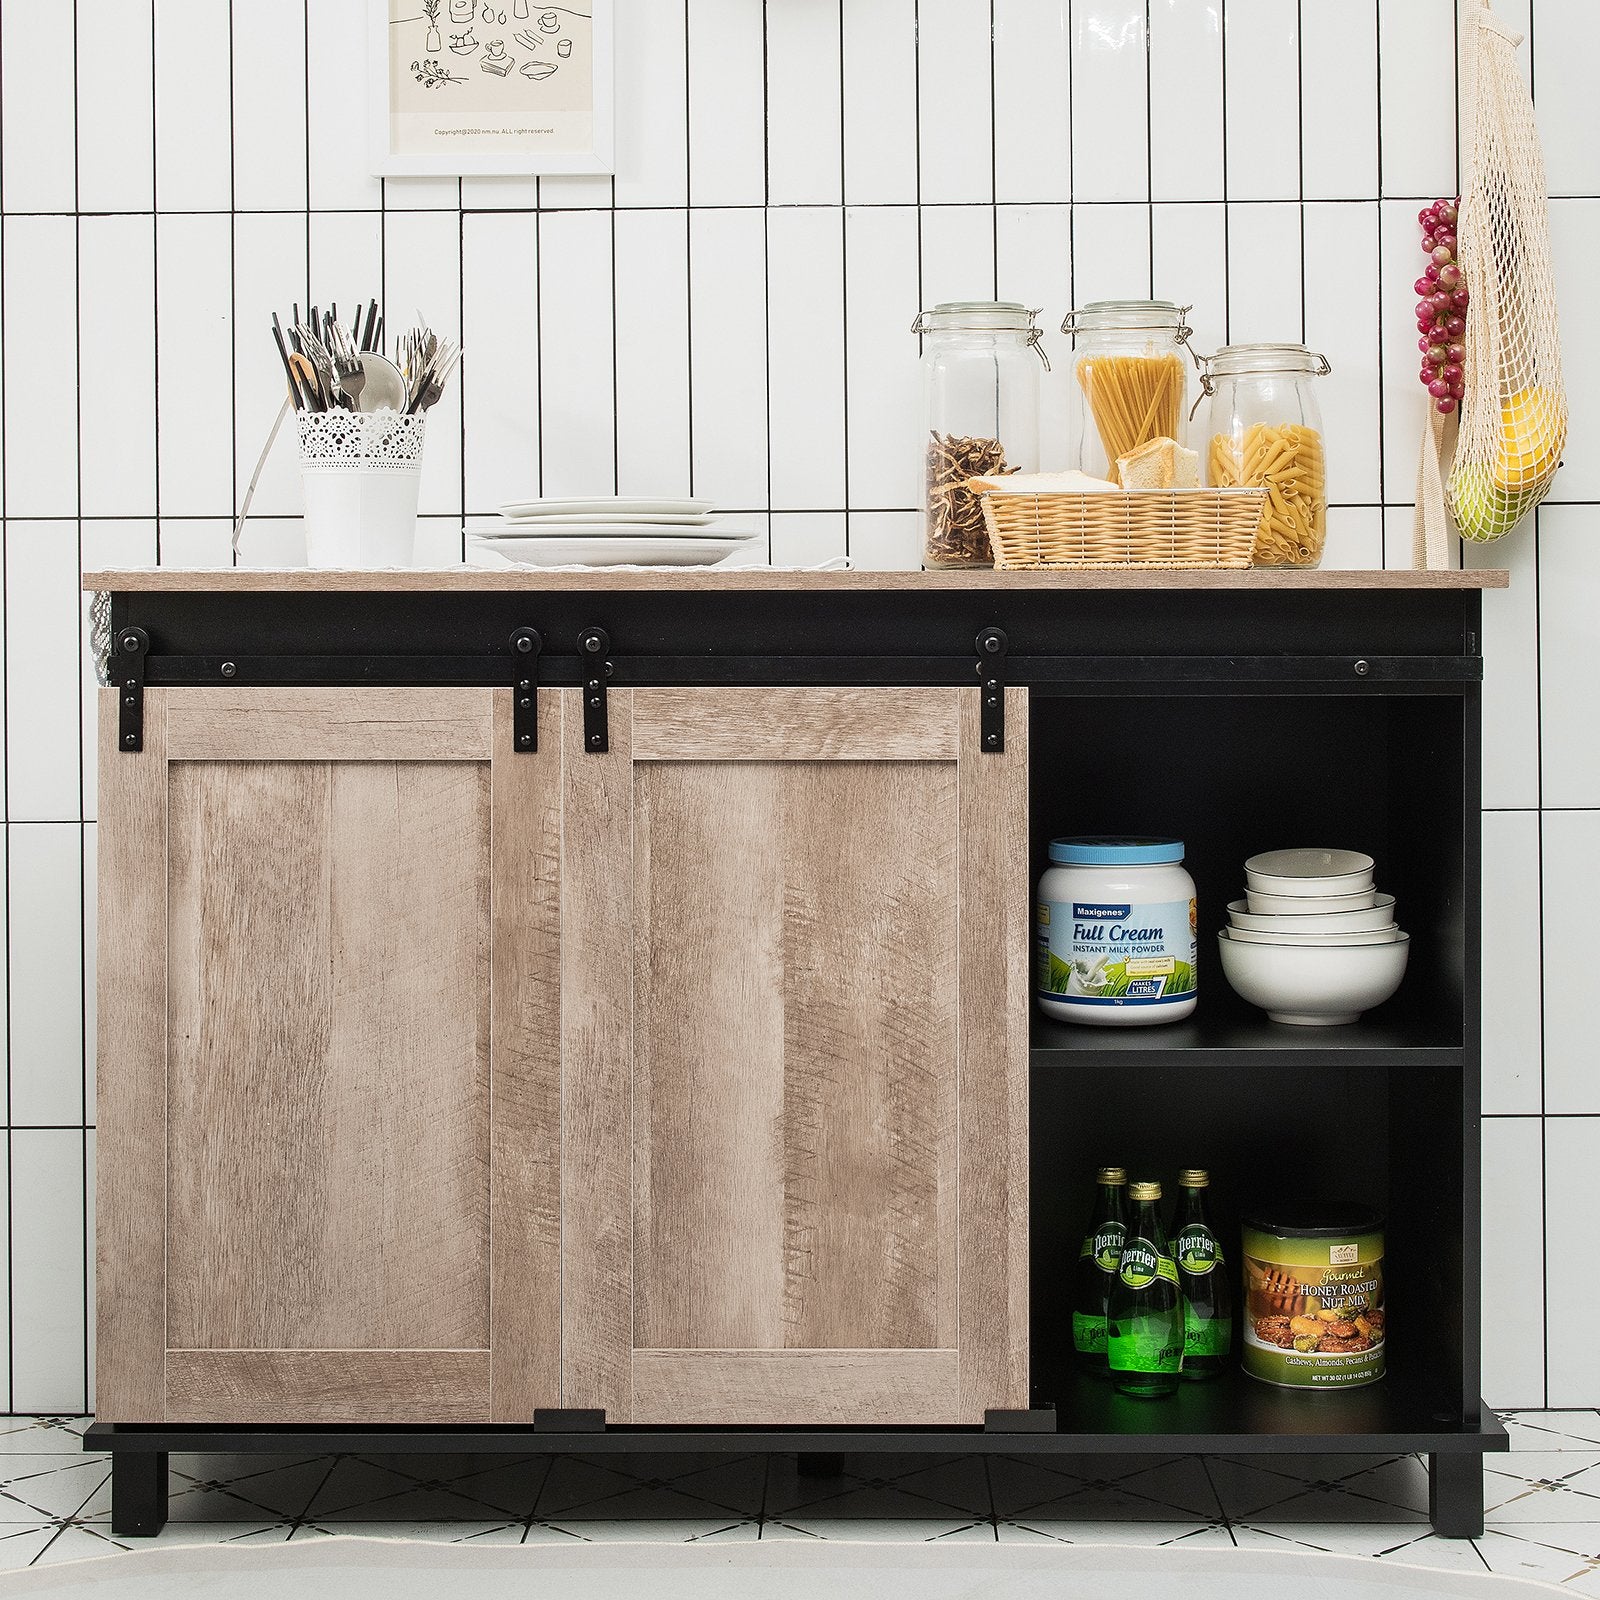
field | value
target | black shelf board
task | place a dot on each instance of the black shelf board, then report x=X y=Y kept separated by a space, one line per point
x=1234 y=1414
x=1224 y=1031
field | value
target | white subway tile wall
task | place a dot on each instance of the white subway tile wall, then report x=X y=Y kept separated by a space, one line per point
x=730 y=316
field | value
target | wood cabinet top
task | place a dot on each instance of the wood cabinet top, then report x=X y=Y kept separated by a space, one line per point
x=533 y=580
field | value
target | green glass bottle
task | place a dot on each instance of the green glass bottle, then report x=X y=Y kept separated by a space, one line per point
x=1203 y=1278
x=1097 y=1266
x=1144 y=1318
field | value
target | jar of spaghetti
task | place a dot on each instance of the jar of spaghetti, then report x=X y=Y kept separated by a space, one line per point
x=981 y=361
x=1266 y=433
x=1132 y=366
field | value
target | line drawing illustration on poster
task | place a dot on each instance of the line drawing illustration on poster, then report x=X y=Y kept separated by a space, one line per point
x=539 y=101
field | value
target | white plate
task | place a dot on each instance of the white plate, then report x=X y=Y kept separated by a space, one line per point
x=609 y=528
x=606 y=506
x=666 y=551
x=582 y=519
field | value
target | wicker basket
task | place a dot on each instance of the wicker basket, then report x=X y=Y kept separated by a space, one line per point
x=1138 y=528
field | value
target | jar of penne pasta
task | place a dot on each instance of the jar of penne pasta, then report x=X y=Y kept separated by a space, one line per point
x=1132 y=367
x=1266 y=433
x=981 y=361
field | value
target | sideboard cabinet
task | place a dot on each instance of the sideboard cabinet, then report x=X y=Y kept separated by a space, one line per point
x=571 y=1011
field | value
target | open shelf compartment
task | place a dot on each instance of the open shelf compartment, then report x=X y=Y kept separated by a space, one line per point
x=1382 y=1111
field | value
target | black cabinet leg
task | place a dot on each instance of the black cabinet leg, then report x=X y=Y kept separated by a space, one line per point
x=1455 y=1494
x=138 y=1493
x=819 y=1464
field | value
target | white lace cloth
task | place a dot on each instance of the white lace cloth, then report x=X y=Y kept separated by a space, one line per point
x=375 y=441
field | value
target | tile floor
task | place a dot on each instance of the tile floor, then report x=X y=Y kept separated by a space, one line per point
x=1543 y=1500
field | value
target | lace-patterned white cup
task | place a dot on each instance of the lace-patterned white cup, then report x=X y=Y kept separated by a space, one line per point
x=362 y=473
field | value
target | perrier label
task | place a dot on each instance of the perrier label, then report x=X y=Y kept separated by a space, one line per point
x=1097 y=1266
x=1203 y=1278
x=1144 y=1314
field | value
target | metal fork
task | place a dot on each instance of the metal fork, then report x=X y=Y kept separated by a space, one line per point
x=351 y=375
x=317 y=354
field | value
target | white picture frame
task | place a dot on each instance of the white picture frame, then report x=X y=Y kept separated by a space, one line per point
x=487 y=102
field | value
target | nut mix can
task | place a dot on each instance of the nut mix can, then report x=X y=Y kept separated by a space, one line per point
x=1314 y=1302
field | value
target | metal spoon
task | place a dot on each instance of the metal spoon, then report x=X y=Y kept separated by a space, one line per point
x=383 y=385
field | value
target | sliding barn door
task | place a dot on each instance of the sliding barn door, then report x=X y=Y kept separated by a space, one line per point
x=794 y=1032
x=329 y=1078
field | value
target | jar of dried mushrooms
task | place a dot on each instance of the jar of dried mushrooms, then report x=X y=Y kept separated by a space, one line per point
x=980 y=365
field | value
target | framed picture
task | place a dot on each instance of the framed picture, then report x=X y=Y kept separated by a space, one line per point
x=490 y=87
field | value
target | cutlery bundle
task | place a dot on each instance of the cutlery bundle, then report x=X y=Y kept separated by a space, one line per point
x=334 y=367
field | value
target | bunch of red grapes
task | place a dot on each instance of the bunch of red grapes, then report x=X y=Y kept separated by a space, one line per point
x=1441 y=309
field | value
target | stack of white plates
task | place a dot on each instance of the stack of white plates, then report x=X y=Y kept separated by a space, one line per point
x=613 y=532
x=1313 y=941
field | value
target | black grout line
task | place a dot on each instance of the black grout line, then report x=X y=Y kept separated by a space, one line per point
x=844 y=298
x=1149 y=158
x=688 y=251
x=616 y=409
x=83 y=954
x=5 y=801
x=221 y=517
x=766 y=234
x=1538 y=790
x=1300 y=145
x=1377 y=56
x=994 y=157
x=1042 y=201
x=1227 y=204
x=233 y=241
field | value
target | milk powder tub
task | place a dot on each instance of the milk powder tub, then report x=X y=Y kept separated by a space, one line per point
x=1114 y=932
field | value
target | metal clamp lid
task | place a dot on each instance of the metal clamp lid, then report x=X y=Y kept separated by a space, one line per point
x=1311 y=364
x=1157 y=314
x=977 y=309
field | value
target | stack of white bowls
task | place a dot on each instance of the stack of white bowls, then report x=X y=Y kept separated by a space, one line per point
x=1313 y=942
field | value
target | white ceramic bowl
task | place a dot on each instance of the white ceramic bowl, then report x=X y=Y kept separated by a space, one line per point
x=1314 y=987
x=1317 y=940
x=1380 y=914
x=1309 y=872
x=1262 y=903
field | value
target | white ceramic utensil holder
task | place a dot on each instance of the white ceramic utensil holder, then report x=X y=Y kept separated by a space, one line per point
x=362 y=473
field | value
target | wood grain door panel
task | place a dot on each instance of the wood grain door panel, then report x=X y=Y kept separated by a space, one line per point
x=328 y=1056
x=331 y=1086
x=794 y=1034
x=784 y=1100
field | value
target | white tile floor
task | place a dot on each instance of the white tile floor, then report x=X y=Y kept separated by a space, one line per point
x=1543 y=1500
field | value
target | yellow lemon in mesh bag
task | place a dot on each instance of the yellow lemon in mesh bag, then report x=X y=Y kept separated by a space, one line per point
x=1533 y=430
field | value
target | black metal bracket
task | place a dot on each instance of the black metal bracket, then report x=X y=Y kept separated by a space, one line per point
x=525 y=647
x=568 y=1420
x=1041 y=1419
x=594 y=649
x=127 y=673
x=992 y=645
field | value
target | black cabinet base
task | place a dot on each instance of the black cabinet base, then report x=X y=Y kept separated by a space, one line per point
x=1455 y=1496
x=139 y=1451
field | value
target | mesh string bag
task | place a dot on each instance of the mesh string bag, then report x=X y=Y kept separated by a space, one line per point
x=1514 y=414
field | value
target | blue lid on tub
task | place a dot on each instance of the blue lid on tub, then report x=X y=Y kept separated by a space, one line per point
x=1111 y=852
